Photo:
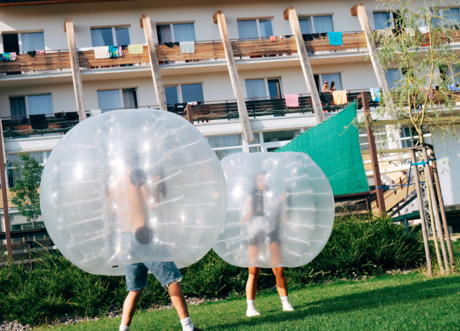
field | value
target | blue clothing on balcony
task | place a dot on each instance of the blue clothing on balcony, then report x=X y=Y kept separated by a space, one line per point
x=335 y=38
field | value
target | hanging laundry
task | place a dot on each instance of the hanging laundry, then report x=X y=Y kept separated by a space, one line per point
x=280 y=37
x=41 y=51
x=136 y=49
x=375 y=94
x=340 y=97
x=101 y=52
x=315 y=35
x=335 y=38
x=8 y=56
x=187 y=47
x=323 y=34
x=32 y=53
x=115 y=51
x=307 y=37
x=326 y=97
x=292 y=100
x=272 y=38
x=192 y=103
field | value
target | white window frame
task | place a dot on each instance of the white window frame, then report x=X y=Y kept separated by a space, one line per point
x=114 y=33
x=26 y=97
x=179 y=90
x=312 y=23
x=120 y=93
x=267 y=90
x=171 y=25
x=20 y=37
x=258 y=24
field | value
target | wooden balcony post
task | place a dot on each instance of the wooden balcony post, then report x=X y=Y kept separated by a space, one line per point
x=189 y=112
x=360 y=11
x=291 y=15
x=75 y=65
x=154 y=65
x=6 y=216
x=219 y=18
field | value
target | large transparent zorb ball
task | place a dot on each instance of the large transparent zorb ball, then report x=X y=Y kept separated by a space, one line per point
x=280 y=210
x=133 y=186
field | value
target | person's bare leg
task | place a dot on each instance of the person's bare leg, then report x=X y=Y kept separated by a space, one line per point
x=178 y=300
x=251 y=291
x=275 y=254
x=281 y=286
x=129 y=307
x=253 y=251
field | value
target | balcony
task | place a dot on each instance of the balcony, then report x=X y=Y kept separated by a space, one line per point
x=205 y=51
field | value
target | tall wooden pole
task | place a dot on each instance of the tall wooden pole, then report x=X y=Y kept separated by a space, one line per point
x=219 y=18
x=430 y=186
x=189 y=111
x=422 y=215
x=291 y=15
x=360 y=11
x=443 y=214
x=6 y=215
x=154 y=64
x=75 y=65
x=373 y=153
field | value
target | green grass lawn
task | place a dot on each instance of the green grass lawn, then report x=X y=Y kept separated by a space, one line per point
x=403 y=302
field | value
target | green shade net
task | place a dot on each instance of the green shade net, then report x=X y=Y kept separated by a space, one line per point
x=334 y=146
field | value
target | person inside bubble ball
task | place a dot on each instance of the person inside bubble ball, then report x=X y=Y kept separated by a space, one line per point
x=131 y=192
x=263 y=212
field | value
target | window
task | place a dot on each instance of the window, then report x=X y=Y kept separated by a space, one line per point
x=405 y=134
x=263 y=87
x=168 y=33
x=225 y=145
x=184 y=93
x=110 y=36
x=253 y=29
x=382 y=21
x=12 y=159
x=316 y=24
x=450 y=14
x=23 y=42
x=280 y=135
x=329 y=78
x=392 y=76
x=31 y=105
x=115 y=99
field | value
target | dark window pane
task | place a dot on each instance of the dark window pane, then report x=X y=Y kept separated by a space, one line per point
x=10 y=42
x=171 y=95
x=18 y=106
x=122 y=36
x=274 y=87
x=192 y=92
x=164 y=33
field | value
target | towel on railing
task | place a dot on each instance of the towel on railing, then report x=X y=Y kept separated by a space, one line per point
x=187 y=47
x=340 y=97
x=8 y=56
x=375 y=94
x=101 y=52
x=136 y=49
x=335 y=38
x=292 y=100
x=273 y=38
x=115 y=51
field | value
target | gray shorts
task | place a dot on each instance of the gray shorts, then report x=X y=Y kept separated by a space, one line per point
x=165 y=272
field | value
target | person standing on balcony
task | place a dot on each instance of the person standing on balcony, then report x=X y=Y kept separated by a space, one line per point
x=326 y=87
x=332 y=86
x=130 y=200
x=264 y=231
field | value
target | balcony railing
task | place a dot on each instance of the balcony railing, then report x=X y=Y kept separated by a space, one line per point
x=60 y=123
x=204 y=50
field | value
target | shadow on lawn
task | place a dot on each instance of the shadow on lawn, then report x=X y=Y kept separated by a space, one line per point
x=391 y=295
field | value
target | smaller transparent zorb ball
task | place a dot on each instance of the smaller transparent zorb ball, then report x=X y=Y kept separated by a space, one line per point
x=280 y=210
x=133 y=186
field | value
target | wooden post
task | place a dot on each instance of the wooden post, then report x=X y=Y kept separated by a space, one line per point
x=219 y=18
x=429 y=183
x=373 y=153
x=291 y=15
x=154 y=65
x=422 y=215
x=360 y=11
x=443 y=214
x=6 y=215
x=189 y=111
x=75 y=65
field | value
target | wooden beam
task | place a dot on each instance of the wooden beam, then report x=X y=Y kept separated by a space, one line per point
x=154 y=65
x=75 y=65
x=219 y=18
x=189 y=111
x=6 y=216
x=291 y=14
x=360 y=11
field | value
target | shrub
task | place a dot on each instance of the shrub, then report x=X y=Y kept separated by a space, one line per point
x=358 y=246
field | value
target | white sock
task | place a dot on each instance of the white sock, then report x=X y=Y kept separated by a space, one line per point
x=285 y=299
x=124 y=328
x=187 y=324
x=251 y=305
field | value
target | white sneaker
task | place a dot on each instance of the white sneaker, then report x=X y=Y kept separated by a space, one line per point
x=252 y=312
x=287 y=307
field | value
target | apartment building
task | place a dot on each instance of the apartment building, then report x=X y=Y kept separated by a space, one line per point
x=42 y=80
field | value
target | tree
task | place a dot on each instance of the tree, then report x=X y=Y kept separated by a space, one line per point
x=418 y=45
x=26 y=188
